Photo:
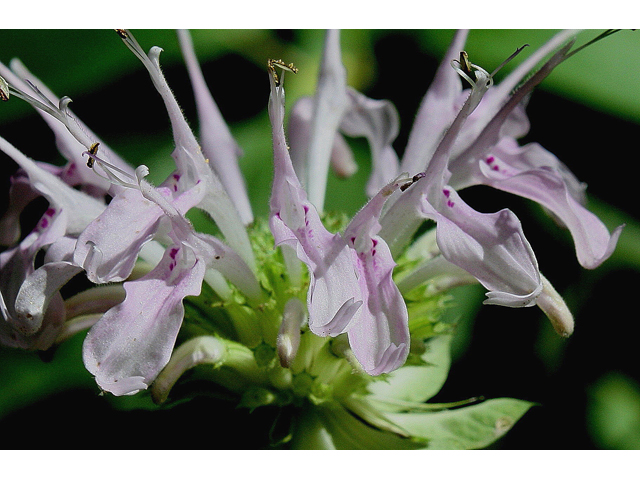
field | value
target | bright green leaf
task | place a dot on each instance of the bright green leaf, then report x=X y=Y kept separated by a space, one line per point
x=418 y=383
x=472 y=427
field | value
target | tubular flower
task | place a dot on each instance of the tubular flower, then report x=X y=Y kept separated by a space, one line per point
x=350 y=348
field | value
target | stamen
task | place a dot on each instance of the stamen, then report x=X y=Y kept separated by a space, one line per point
x=108 y=171
x=511 y=57
x=4 y=90
x=41 y=103
x=60 y=112
x=271 y=64
x=466 y=70
x=133 y=45
x=604 y=34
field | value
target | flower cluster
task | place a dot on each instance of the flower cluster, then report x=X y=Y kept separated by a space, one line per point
x=354 y=342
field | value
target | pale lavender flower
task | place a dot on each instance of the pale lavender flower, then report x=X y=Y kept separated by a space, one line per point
x=486 y=151
x=317 y=125
x=264 y=320
x=130 y=344
x=453 y=134
x=29 y=298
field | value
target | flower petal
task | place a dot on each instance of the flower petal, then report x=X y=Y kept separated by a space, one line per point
x=36 y=292
x=79 y=208
x=71 y=147
x=190 y=162
x=437 y=110
x=513 y=169
x=330 y=102
x=334 y=296
x=379 y=122
x=379 y=338
x=109 y=246
x=491 y=247
x=342 y=160
x=20 y=195
x=133 y=341
x=217 y=143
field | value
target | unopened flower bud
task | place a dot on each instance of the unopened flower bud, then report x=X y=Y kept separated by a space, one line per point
x=289 y=335
x=553 y=305
x=204 y=349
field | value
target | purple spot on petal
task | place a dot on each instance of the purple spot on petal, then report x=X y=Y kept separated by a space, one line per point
x=446 y=192
x=373 y=252
x=495 y=167
x=306 y=209
x=171 y=265
x=176 y=176
x=490 y=160
x=374 y=241
x=44 y=223
x=450 y=203
x=173 y=252
x=353 y=240
x=50 y=212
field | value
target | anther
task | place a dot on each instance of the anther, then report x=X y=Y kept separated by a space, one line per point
x=4 y=90
x=111 y=173
x=413 y=180
x=467 y=70
x=271 y=64
x=465 y=66
x=93 y=151
x=122 y=33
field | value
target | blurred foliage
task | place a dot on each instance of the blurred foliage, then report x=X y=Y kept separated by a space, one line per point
x=113 y=95
x=614 y=412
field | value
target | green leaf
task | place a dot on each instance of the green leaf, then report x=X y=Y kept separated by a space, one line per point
x=349 y=432
x=417 y=383
x=472 y=427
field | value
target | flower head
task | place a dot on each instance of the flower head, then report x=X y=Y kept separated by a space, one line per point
x=354 y=343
